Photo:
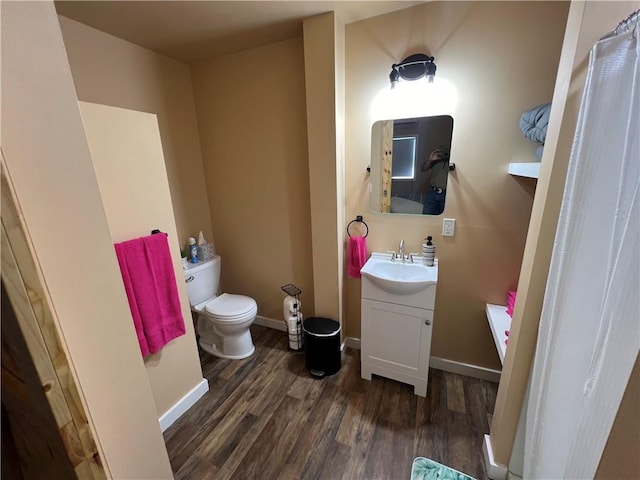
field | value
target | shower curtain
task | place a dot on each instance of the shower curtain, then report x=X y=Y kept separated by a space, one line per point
x=589 y=334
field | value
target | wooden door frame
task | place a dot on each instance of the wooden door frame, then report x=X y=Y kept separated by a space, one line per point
x=39 y=325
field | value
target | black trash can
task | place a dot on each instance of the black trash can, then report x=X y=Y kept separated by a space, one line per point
x=322 y=346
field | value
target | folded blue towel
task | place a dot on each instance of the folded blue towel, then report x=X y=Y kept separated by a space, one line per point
x=534 y=122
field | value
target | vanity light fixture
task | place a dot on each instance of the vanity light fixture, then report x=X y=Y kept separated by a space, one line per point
x=413 y=67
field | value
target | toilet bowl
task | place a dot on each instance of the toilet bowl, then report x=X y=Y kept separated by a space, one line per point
x=223 y=320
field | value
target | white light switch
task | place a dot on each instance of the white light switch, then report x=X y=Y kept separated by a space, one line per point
x=448 y=227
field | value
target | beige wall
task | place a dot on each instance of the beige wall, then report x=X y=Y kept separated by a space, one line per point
x=269 y=211
x=251 y=115
x=492 y=209
x=48 y=162
x=496 y=83
x=110 y=71
x=587 y=22
x=323 y=48
x=501 y=64
x=127 y=156
x=540 y=235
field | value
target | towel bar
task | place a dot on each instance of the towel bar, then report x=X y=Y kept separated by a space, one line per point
x=359 y=220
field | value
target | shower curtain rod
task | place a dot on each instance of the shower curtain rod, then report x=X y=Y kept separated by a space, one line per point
x=624 y=26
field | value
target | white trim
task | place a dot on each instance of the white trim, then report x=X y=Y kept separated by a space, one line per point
x=351 y=342
x=525 y=169
x=467 y=369
x=270 y=323
x=184 y=404
x=452 y=366
x=500 y=323
x=494 y=470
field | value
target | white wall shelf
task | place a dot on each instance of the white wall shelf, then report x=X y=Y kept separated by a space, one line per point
x=525 y=169
x=499 y=321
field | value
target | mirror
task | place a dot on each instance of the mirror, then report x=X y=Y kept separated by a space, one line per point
x=410 y=165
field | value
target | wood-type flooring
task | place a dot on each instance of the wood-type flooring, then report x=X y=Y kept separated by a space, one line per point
x=266 y=418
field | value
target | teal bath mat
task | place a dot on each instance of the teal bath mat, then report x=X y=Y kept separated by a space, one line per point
x=425 y=469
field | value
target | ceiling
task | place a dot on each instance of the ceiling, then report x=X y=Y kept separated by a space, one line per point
x=194 y=30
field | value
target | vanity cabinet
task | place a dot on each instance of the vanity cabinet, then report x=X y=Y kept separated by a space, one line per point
x=396 y=343
x=396 y=335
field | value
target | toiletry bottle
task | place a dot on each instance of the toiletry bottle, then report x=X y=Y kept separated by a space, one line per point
x=428 y=251
x=193 y=250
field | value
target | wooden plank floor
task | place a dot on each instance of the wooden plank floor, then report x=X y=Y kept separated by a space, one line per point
x=266 y=418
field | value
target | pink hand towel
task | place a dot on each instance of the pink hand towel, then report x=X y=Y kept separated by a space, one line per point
x=150 y=284
x=357 y=255
x=511 y=302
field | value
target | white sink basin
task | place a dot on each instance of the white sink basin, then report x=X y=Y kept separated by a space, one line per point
x=397 y=277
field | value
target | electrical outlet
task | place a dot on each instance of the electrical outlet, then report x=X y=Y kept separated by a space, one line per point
x=448 y=227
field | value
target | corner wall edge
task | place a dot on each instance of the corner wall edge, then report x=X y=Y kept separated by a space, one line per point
x=494 y=470
x=184 y=404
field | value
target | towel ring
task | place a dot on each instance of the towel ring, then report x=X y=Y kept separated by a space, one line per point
x=359 y=220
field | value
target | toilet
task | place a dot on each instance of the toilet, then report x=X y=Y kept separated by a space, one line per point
x=223 y=320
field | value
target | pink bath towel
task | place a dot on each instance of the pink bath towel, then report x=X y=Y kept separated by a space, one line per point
x=150 y=284
x=357 y=255
x=511 y=301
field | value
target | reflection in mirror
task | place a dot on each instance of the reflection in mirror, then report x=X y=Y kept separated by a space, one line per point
x=410 y=165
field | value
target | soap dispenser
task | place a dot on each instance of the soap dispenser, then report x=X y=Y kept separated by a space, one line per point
x=193 y=250
x=428 y=252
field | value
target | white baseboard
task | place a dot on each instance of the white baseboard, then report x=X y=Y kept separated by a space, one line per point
x=270 y=323
x=494 y=470
x=467 y=369
x=280 y=325
x=184 y=404
x=443 y=364
x=351 y=342
x=452 y=366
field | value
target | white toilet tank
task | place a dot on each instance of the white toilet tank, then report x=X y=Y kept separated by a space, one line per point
x=203 y=279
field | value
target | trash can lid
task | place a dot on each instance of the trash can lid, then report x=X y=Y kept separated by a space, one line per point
x=320 y=326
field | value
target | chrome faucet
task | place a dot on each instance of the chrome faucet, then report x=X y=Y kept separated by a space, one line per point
x=399 y=255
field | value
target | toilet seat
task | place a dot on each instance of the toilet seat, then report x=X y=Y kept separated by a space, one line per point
x=230 y=308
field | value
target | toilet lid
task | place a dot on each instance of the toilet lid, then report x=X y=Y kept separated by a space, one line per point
x=229 y=305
